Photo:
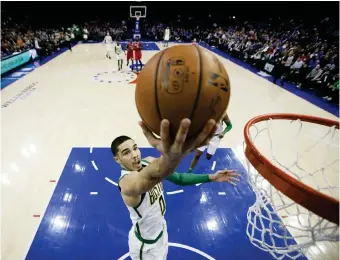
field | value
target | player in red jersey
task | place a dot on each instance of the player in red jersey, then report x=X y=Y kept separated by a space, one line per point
x=138 y=52
x=129 y=54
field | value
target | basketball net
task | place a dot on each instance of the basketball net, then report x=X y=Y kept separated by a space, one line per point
x=308 y=153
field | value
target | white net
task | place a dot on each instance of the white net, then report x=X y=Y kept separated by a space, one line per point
x=309 y=153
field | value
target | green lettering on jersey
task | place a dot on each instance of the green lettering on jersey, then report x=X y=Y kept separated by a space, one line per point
x=155 y=192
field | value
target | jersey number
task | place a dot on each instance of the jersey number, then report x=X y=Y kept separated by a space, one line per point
x=162 y=204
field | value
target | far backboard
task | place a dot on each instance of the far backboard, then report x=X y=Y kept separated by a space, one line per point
x=138 y=11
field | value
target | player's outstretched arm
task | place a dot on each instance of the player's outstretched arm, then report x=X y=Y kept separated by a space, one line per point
x=184 y=179
x=172 y=152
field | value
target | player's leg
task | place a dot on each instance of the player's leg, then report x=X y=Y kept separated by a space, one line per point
x=133 y=64
x=118 y=61
x=140 y=64
x=199 y=151
x=69 y=45
x=157 y=251
x=212 y=147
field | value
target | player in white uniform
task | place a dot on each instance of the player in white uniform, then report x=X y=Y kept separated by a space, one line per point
x=108 y=45
x=166 y=37
x=214 y=142
x=119 y=55
x=141 y=188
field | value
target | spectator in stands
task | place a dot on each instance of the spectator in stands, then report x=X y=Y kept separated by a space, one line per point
x=313 y=76
x=294 y=70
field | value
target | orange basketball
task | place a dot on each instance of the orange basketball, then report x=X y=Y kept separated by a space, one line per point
x=184 y=81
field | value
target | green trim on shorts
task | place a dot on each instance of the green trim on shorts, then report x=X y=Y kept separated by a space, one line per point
x=147 y=241
x=141 y=251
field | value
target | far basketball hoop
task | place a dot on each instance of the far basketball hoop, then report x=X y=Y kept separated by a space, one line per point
x=137 y=12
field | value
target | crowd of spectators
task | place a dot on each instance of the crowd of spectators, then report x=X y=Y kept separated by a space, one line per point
x=292 y=52
x=306 y=57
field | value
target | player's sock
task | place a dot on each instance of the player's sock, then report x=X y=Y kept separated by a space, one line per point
x=190 y=170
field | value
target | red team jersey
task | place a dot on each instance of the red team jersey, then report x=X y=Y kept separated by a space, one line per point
x=138 y=50
x=130 y=48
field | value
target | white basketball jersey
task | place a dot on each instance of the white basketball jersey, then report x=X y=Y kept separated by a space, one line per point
x=148 y=216
x=167 y=32
x=108 y=39
x=119 y=49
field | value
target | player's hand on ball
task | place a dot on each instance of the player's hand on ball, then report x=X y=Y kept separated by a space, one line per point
x=225 y=176
x=179 y=147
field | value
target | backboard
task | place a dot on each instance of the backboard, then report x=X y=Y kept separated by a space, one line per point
x=138 y=11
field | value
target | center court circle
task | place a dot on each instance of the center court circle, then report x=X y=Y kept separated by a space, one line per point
x=180 y=246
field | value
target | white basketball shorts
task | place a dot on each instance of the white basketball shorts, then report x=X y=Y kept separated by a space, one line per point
x=139 y=250
x=120 y=56
x=212 y=146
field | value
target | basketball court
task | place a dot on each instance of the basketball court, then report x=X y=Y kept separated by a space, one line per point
x=59 y=181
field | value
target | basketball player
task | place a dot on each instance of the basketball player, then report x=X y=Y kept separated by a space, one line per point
x=119 y=55
x=108 y=45
x=141 y=188
x=214 y=142
x=129 y=54
x=138 y=53
x=166 y=37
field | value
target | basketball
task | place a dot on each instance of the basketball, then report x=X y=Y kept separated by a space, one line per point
x=183 y=81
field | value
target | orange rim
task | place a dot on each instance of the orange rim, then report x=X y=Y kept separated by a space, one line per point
x=313 y=200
